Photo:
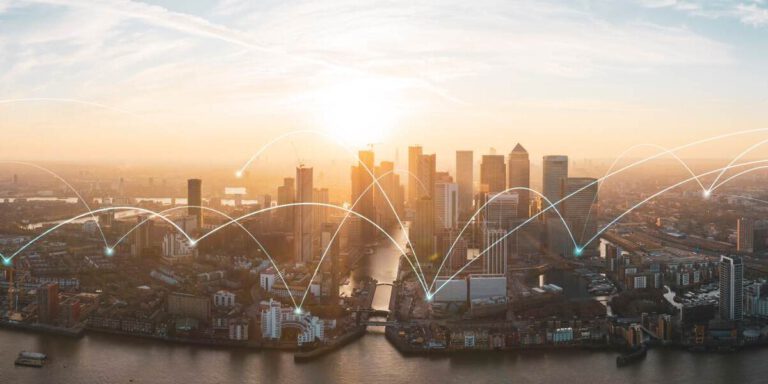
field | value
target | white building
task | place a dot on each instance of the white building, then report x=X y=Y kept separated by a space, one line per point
x=176 y=248
x=274 y=317
x=238 y=329
x=224 y=299
x=267 y=279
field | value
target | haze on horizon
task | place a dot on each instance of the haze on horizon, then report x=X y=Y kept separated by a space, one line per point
x=213 y=81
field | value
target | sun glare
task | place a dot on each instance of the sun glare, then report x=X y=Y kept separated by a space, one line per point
x=358 y=113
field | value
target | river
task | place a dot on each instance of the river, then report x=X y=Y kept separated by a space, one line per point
x=99 y=358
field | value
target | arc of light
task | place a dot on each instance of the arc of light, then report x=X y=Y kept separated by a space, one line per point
x=477 y=212
x=735 y=176
x=57 y=226
x=607 y=225
x=359 y=161
x=72 y=188
x=344 y=220
x=248 y=215
x=261 y=246
x=622 y=154
x=740 y=155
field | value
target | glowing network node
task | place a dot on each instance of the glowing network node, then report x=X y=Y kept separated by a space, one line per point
x=429 y=297
x=239 y=174
x=707 y=193
x=109 y=251
x=192 y=243
x=578 y=251
x=7 y=262
x=297 y=311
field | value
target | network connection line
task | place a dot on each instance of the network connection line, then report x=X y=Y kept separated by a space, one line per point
x=72 y=188
x=344 y=220
x=477 y=212
x=195 y=241
x=352 y=153
x=609 y=224
x=70 y=220
x=313 y=204
x=739 y=156
x=664 y=150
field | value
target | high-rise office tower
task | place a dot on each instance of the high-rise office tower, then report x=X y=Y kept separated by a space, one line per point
x=141 y=236
x=428 y=174
x=579 y=210
x=363 y=191
x=464 y=179
x=195 y=200
x=500 y=210
x=286 y=194
x=493 y=173
x=745 y=235
x=333 y=251
x=446 y=205
x=455 y=257
x=519 y=175
x=731 y=288
x=414 y=161
x=555 y=171
x=496 y=252
x=422 y=231
x=302 y=223
x=385 y=173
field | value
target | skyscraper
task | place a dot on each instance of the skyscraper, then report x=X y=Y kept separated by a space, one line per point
x=414 y=161
x=363 y=190
x=464 y=179
x=427 y=174
x=496 y=252
x=388 y=181
x=731 y=288
x=195 y=200
x=555 y=171
x=302 y=224
x=745 y=235
x=286 y=194
x=493 y=173
x=501 y=210
x=446 y=205
x=579 y=210
x=519 y=175
x=422 y=231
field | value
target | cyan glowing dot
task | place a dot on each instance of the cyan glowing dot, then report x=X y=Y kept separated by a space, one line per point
x=297 y=311
x=7 y=262
x=577 y=251
x=429 y=297
x=109 y=251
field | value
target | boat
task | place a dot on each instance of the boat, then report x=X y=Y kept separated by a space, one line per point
x=31 y=359
x=632 y=356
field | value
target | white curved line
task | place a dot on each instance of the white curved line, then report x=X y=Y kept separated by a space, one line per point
x=80 y=197
x=359 y=161
x=607 y=225
x=477 y=212
x=344 y=220
x=740 y=155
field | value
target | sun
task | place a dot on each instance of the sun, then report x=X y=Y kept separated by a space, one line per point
x=358 y=112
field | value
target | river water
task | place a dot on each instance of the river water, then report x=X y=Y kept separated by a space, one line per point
x=99 y=358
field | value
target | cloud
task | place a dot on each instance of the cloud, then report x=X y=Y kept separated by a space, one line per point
x=752 y=14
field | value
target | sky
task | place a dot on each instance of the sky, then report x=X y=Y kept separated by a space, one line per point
x=214 y=81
